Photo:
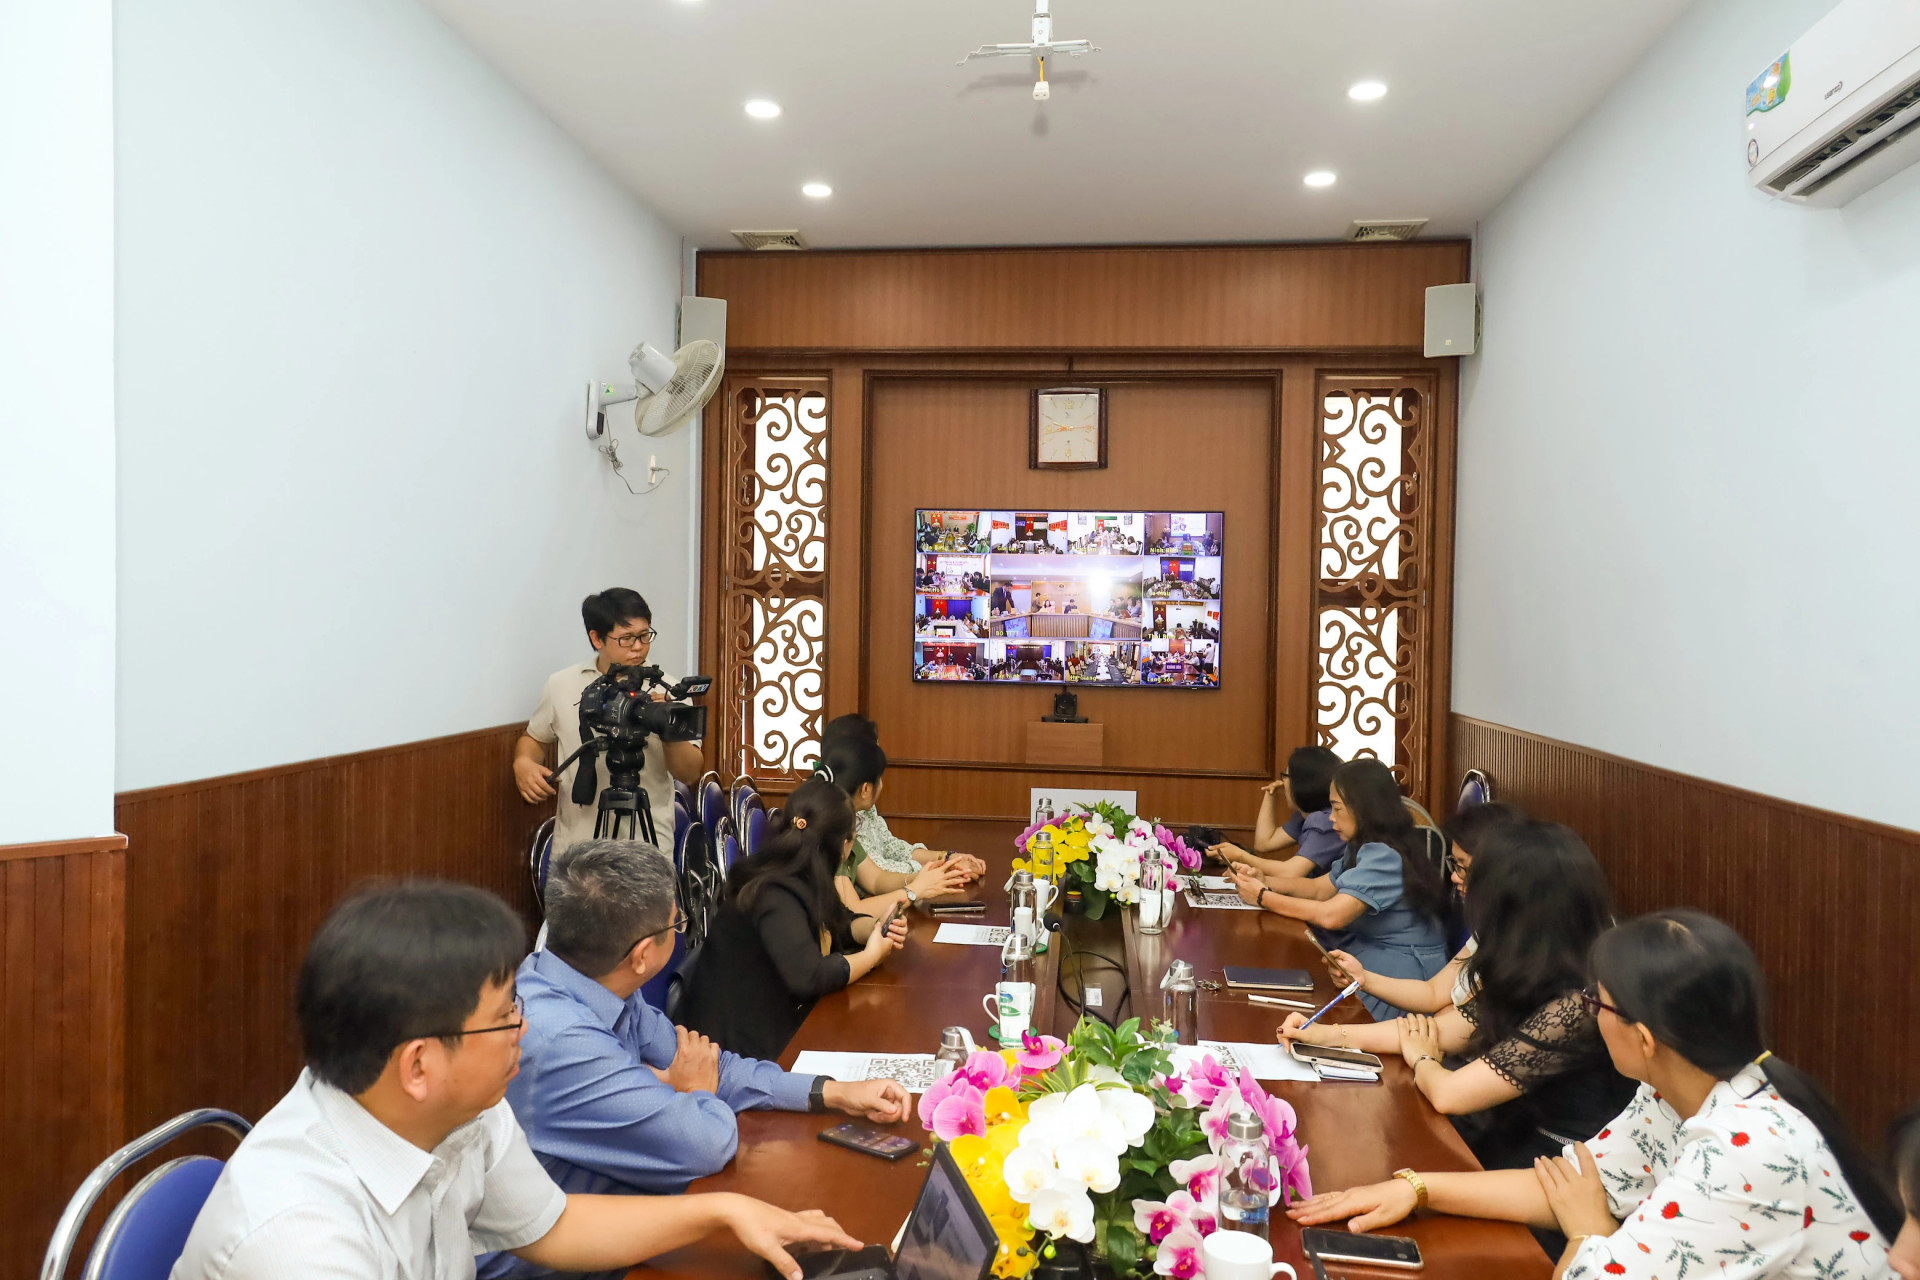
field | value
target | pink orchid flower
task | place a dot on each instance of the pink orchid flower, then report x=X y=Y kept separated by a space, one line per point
x=964 y=1112
x=1158 y=1220
x=1179 y=1255
x=1296 y=1184
x=946 y=1087
x=1039 y=1053
x=1207 y=1078
x=984 y=1070
x=1020 y=841
x=1200 y=1177
x=1214 y=1122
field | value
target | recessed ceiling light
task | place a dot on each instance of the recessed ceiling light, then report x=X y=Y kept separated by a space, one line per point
x=818 y=190
x=1320 y=178
x=763 y=108
x=1367 y=91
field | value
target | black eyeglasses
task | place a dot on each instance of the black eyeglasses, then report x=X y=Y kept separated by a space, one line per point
x=519 y=1016
x=1591 y=998
x=679 y=925
x=635 y=640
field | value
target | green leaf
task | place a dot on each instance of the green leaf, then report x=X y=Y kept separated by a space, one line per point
x=1145 y=1166
x=1123 y=1246
x=1096 y=905
x=1138 y=1070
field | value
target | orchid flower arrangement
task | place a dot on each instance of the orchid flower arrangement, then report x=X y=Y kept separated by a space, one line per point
x=1101 y=853
x=1101 y=1140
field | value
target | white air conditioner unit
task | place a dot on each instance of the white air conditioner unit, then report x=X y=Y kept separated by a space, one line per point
x=1840 y=111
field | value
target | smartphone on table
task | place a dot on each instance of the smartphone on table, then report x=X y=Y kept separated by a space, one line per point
x=1361 y=1250
x=1304 y=1052
x=870 y=1141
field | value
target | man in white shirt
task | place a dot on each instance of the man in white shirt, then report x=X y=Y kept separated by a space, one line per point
x=396 y=1156
x=620 y=627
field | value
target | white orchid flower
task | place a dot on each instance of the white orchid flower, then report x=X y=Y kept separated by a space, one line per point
x=1029 y=1173
x=1134 y=1112
x=1063 y=1213
x=1105 y=1075
x=1089 y=1163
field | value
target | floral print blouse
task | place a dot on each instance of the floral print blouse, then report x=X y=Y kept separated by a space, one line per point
x=884 y=849
x=1745 y=1189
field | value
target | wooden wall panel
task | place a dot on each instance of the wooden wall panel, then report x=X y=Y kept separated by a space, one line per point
x=1255 y=297
x=1182 y=444
x=61 y=968
x=1829 y=903
x=228 y=878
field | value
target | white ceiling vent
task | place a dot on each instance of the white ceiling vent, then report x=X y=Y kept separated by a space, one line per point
x=770 y=239
x=1385 y=229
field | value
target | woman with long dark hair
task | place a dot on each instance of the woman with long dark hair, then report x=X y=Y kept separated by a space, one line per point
x=1383 y=902
x=1523 y=1036
x=882 y=869
x=1467 y=832
x=1728 y=1162
x=782 y=939
x=1293 y=835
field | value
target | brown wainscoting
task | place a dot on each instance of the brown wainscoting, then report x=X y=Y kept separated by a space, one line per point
x=228 y=878
x=1831 y=904
x=61 y=992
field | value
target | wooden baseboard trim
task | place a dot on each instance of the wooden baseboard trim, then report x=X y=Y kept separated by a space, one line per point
x=63 y=848
x=1112 y=771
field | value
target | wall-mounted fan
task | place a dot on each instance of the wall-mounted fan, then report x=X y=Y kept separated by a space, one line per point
x=667 y=392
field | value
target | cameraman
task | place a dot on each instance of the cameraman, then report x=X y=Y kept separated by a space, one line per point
x=620 y=628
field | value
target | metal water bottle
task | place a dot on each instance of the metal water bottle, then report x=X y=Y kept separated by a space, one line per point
x=1246 y=1175
x=1180 y=1000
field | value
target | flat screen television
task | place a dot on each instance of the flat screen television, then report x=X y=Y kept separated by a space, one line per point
x=1115 y=599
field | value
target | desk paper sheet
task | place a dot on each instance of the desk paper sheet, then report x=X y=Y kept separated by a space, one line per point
x=913 y=1070
x=1265 y=1061
x=1212 y=884
x=1219 y=901
x=972 y=935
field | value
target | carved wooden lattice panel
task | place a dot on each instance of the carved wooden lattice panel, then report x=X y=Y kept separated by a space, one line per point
x=772 y=671
x=1372 y=608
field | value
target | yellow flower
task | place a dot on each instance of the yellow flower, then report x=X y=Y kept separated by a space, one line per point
x=1005 y=1137
x=1017 y=1256
x=1019 y=864
x=1003 y=1106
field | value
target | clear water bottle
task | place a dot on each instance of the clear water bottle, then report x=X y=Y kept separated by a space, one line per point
x=1180 y=998
x=955 y=1047
x=1246 y=1176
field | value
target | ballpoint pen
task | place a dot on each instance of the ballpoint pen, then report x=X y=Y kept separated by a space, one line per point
x=1351 y=987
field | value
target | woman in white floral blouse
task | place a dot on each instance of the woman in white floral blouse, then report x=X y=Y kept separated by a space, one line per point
x=1728 y=1163
x=1905 y=1256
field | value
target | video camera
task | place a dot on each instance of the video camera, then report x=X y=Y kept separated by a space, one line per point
x=618 y=713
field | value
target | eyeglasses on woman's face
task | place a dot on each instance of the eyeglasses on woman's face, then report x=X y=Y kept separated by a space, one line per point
x=1591 y=998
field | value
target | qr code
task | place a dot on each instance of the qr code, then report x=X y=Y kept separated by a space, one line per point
x=997 y=934
x=913 y=1071
x=1218 y=900
x=1221 y=1054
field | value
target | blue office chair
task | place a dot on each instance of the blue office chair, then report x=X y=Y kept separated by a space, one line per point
x=683 y=793
x=713 y=803
x=1475 y=788
x=743 y=793
x=755 y=832
x=144 y=1235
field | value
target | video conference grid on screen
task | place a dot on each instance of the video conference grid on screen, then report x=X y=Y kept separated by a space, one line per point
x=1107 y=598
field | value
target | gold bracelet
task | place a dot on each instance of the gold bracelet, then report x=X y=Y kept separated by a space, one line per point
x=1343 y=1039
x=1418 y=1184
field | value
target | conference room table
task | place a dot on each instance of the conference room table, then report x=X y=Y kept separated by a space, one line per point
x=1356 y=1132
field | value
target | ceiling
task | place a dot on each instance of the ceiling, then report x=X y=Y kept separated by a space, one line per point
x=1196 y=121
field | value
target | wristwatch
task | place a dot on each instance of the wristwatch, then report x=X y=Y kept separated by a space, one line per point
x=912 y=896
x=817 y=1096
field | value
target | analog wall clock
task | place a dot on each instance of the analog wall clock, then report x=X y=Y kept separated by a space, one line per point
x=1068 y=428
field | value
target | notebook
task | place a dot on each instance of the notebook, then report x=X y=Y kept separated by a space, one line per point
x=1268 y=979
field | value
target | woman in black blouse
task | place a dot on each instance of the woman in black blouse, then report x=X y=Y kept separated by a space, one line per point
x=782 y=939
x=1531 y=1073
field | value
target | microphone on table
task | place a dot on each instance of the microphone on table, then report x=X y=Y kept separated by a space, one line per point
x=1052 y=922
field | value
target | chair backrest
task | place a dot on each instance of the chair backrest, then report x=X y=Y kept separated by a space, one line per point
x=540 y=860
x=144 y=1235
x=755 y=832
x=1475 y=788
x=654 y=992
x=147 y=1231
x=730 y=852
x=699 y=884
x=713 y=804
x=683 y=793
x=743 y=791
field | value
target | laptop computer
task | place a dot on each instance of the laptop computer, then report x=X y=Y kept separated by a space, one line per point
x=947 y=1237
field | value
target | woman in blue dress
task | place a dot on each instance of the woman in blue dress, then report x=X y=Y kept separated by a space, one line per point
x=1383 y=902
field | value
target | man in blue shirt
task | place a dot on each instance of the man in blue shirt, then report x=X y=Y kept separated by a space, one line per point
x=612 y=1095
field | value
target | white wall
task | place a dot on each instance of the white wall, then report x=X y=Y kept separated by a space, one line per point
x=1688 y=451
x=56 y=420
x=362 y=286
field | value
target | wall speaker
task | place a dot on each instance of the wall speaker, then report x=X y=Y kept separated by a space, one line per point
x=1453 y=320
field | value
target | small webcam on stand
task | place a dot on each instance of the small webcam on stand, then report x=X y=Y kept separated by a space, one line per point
x=1066 y=709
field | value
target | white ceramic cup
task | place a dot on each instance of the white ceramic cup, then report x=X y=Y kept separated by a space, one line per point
x=1011 y=1008
x=1239 y=1255
x=1045 y=894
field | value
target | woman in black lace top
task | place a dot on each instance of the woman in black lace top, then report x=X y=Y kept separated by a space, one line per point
x=1529 y=1072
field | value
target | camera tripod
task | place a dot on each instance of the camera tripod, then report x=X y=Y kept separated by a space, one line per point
x=625 y=813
